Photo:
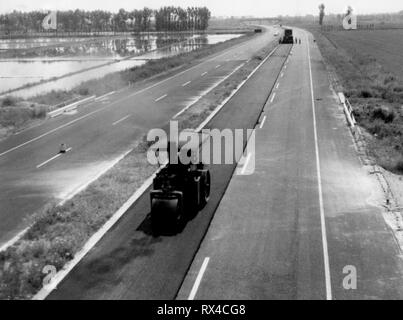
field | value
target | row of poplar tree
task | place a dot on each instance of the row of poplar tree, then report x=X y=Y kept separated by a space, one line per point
x=163 y=19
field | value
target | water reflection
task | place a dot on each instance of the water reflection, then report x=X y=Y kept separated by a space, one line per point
x=34 y=60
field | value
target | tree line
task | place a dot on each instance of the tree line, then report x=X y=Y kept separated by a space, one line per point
x=163 y=19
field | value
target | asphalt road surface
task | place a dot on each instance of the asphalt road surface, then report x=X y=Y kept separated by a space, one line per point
x=131 y=262
x=32 y=174
x=308 y=216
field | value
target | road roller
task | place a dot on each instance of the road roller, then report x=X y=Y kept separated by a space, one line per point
x=181 y=188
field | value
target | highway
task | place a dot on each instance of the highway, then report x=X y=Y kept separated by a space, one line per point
x=131 y=262
x=32 y=173
x=308 y=216
x=292 y=226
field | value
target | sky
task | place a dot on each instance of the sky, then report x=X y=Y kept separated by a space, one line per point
x=258 y=8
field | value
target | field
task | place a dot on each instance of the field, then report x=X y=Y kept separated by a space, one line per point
x=386 y=46
x=368 y=67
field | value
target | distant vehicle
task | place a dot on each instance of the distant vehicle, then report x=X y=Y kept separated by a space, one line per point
x=63 y=148
x=258 y=30
x=180 y=190
x=288 y=37
x=276 y=34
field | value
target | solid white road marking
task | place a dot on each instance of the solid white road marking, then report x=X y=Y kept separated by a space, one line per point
x=51 y=159
x=12 y=241
x=322 y=210
x=104 y=96
x=185 y=84
x=263 y=121
x=203 y=74
x=160 y=98
x=272 y=97
x=245 y=166
x=120 y=120
x=199 y=279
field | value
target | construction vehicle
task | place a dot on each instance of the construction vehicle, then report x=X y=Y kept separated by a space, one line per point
x=181 y=189
x=288 y=37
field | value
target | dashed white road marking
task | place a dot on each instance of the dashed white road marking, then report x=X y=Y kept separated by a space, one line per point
x=263 y=121
x=162 y=97
x=120 y=120
x=207 y=91
x=328 y=281
x=218 y=66
x=199 y=279
x=272 y=97
x=203 y=74
x=51 y=159
x=278 y=84
x=185 y=84
x=282 y=74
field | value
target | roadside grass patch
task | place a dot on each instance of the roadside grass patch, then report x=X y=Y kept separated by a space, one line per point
x=9 y=101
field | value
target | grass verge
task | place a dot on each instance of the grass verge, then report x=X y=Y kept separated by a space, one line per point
x=375 y=94
x=59 y=232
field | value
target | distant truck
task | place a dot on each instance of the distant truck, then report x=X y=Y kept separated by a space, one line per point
x=288 y=37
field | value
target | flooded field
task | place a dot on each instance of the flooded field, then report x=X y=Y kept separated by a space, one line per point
x=72 y=61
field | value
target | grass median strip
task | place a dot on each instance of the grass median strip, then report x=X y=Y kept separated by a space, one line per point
x=59 y=232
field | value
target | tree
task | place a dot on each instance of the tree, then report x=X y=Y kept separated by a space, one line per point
x=321 y=13
x=166 y=19
x=147 y=14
